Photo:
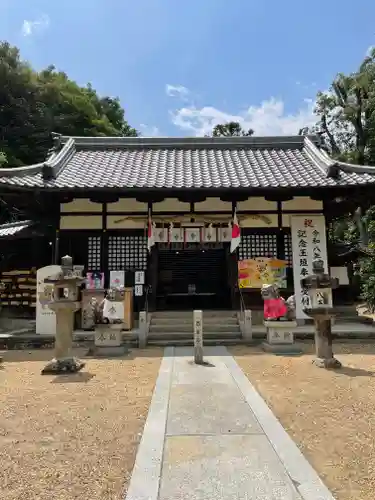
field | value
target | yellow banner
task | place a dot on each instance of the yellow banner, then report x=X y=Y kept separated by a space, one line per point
x=253 y=273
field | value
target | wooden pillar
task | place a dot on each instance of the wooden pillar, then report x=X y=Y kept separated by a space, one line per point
x=280 y=233
x=152 y=272
x=56 y=250
x=104 y=247
x=233 y=270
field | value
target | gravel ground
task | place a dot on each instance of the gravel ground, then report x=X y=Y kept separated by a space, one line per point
x=330 y=414
x=72 y=436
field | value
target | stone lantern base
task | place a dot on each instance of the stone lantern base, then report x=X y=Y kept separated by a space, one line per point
x=280 y=337
x=65 y=365
x=327 y=363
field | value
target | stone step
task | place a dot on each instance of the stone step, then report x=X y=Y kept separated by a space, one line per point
x=353 y=319
x=189 y=336
x=206 y=314
x=189 y=321
x=220 y=328
x=171 y=327
x=186 y=342
x=230 y=320
x=186 y=327
x=171 y=321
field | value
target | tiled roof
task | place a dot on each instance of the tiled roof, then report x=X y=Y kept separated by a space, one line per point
x=230 y=162
x=13 y=228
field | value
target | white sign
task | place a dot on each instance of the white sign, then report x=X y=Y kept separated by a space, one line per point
x=116 y=279
x=138 y=290
x=45 y=317
x=139 y=278
x=113 y=310
x=308 y=243
x=340 y=273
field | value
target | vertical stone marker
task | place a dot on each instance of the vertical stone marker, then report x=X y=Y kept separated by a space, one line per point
x=198 y=337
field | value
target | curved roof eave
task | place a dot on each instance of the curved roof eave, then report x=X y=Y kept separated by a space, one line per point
x=55 y=163
x=324 y=160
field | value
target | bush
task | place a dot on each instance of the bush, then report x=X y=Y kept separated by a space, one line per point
x=367 y=273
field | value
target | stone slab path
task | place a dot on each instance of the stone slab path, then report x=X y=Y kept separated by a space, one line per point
x=210 y=436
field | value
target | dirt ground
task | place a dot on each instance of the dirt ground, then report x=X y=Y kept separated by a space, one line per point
x=330 y=414
x=72 y=436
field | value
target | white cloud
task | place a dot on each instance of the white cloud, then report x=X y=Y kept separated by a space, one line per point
x=149 y=131
x=177 y=91
x=31 y=27
x=269 y=118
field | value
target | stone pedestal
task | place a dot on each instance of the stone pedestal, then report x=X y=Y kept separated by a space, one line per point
x=280 y=337
x=108 y=340
x=198 y=337
x=64 y=361
x=323 y=344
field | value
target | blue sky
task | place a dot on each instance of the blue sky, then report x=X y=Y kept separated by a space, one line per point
x=180 y=67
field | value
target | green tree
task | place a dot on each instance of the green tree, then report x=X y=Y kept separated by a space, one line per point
x=231 y=129
x=347 y=114
x=35 y=104
x=346 y=122
x=3 y=159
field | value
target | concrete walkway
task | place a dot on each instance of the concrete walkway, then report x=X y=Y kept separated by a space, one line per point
x=210 y=436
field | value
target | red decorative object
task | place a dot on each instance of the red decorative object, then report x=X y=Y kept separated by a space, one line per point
x=275 y=308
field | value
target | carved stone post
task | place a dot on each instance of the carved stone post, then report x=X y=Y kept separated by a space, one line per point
x=143 y=327
x=198 y=337
x=247 y=327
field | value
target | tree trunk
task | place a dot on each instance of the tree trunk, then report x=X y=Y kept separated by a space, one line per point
x=323 y=345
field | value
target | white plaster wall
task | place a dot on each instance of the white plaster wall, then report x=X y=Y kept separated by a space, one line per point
x=170 y=205
x=119 y=222
x=213 y=205
x=80 y=205
x=302 y=203
x=256 y=203
x=81 y=222
x=127 y=205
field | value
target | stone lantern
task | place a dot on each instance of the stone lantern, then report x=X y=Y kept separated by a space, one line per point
x=318 y=305
x=61 y=295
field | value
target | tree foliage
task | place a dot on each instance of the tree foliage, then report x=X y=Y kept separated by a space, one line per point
x=35 y=104
x=231 y=129
x=346 y=122
x=347 y=114
x=3 y=159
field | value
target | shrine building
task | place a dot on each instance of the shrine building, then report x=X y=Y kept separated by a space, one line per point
x=95 y=196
